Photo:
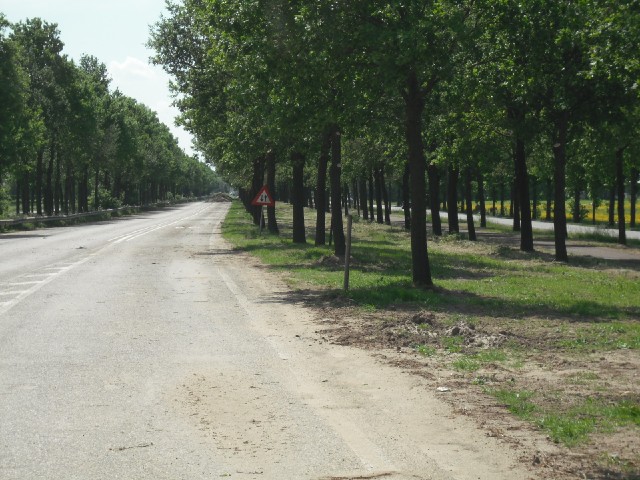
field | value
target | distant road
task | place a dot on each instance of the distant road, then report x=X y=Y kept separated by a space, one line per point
x=537 y=225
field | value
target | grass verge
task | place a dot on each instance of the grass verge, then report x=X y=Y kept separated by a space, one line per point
x=576 y=324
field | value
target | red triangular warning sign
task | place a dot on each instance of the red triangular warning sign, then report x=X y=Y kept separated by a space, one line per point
x=263 y=198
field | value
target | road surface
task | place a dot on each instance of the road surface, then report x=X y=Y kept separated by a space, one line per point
x=144 y=348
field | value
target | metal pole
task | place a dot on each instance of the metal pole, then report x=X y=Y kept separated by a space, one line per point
x=261 y=218
x=347 y=254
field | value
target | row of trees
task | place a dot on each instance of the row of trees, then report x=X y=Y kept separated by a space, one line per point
x=500 y=95
x=69 y=144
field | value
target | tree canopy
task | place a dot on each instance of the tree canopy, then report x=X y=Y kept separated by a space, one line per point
x=70 y=143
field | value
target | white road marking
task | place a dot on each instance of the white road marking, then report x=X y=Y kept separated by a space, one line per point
x=57 y=270
x=6 y=306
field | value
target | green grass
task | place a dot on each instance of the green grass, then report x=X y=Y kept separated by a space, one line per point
x=474 y=362
x=573 y=425
x=603 y=337
x=426 y=350
x=466 y=274
x=467 y=364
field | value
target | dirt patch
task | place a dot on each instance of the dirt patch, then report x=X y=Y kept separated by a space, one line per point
x=465 y=360
x=221 y=197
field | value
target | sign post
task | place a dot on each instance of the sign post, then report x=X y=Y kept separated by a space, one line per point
x=263 y=198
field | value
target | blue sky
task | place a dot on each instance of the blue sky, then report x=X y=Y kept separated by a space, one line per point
x=114 y=31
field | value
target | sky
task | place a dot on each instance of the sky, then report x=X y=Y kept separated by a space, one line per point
x=115 y=32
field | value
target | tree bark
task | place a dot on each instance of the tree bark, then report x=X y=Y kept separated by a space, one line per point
x=406 y=197
x=356 y=196
x=363 y=197
x=549 y=189
x=297 y=197
x=452 y=200
x=468 y=194
x=257 y=181
x=534 y=194
x=633 y=196
x=522 y=182
x=371 y=195
x=96 y=191
x=378 y=186
x=57 y=192
x=414 y=106
x=612 y=204
x=434 y=198
x=335 y=173
x=272 y=222
x=321 y=188
x=39 y=180
x=385 y=198
x=515 y=206
x=622 y=234
x=24 y=184
x=481 y=200
x=48 y=189
x=559 y=179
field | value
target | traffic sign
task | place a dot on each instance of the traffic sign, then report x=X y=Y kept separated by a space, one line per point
x=263 y=198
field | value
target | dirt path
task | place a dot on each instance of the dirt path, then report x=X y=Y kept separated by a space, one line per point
x=396 y=423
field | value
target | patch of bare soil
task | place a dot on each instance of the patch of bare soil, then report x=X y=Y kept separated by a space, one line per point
x=435 y=347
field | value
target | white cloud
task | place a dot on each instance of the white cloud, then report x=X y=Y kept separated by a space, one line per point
x=131 y=67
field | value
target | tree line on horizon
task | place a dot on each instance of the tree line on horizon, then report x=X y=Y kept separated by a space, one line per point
x=452 y=99
x=69 y=143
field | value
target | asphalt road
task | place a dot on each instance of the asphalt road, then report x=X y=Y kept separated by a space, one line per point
x=144 y=348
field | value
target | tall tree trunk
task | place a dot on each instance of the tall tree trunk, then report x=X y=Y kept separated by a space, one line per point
x=335 y=172
x=18 y=187
x=515 y=206
x=25 y=193
x=356 y=196
x=414 y=106
x=378 y=185
x=321 y=188
x=522 y=181
x=534 y=194
x=39 y=180
x=385 y=198
x=297 y=197
x=68 y=185
x=549 y=191
x=57 y=193
x=309 y=192
x=633 y=196
x=468 y=197
x=559 y=178
x=612 y=204
x=494 y=194
x=622 y=234
x=434 y=198
x=363 y=197
x=512 y=201
x=272 y=222
x=257 y=182
x=452 y=200
x=502 y=199
x=96 y=190
x=577 y=218
x=48 y=189
x=406 y=197
x=371 y=195
x=481 y=200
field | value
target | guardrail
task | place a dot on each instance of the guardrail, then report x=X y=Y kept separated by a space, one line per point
x=57 y=218
x=96 y=213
